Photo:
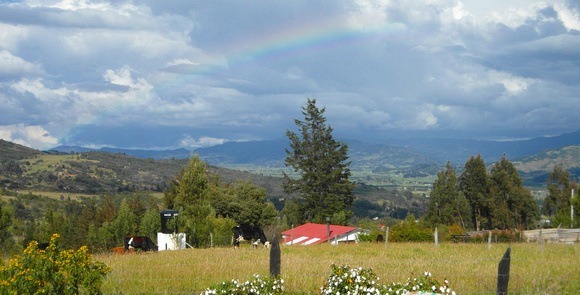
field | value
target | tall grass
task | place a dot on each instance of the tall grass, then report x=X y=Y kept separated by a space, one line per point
x=470 y=268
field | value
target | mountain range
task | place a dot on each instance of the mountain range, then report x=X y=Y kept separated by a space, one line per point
x=425 y=153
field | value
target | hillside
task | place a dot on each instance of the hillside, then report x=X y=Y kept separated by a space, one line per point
x=567 y=157
x=97 y=172
x=535 y=169
x=13 y=151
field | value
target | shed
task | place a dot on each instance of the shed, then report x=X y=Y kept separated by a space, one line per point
x=316 y=233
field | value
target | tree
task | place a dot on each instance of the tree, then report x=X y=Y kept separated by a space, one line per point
x=323 y=187
x=150 y=224
x=6 y=241
x=512 y=206
x=125 y=223
x=447 y=205
x=557 y=203
x=474 y=183
x=189 y=194
x=559 y=190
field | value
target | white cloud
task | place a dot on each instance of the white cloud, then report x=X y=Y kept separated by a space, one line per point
x=204 y=141
x=570 y=18
x=11 y=65
x=31 y=136
x=425 y=120
x=124 y=77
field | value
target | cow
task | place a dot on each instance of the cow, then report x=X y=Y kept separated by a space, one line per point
x=139 y=243
x=255 y=234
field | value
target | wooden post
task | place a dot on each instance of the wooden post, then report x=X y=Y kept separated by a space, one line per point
x=489 y=241
x=387 y=236
x=436 y=238
x=503 y=273
x=572 y=209
x=275 y=260
x=541 y=241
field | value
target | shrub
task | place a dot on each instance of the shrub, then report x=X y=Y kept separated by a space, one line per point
x=410 y=231
x=499 y=236
x=258 y=285
x=52 y=271
x=346 y=280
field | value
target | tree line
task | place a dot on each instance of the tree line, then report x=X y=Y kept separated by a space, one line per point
x=496 y=198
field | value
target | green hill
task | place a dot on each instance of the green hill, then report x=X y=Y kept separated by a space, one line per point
x=97 y=172
x=535 y=169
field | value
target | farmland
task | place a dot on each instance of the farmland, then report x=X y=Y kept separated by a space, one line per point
x=470 y=268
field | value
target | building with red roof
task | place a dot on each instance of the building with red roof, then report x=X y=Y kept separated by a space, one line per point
x=315 y=233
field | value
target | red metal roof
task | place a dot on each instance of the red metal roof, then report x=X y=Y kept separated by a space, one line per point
x=314 y=233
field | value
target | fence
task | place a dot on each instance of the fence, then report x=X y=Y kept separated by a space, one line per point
x=553 y=235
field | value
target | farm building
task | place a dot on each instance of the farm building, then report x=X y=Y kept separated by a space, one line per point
x=315 y=233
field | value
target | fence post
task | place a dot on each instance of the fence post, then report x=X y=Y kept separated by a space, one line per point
x=503 y=273
x=275 y=260
x=489 y=241
x=436 y=238
x=387 y=236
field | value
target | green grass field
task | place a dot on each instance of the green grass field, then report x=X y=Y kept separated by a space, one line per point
x=470 y=268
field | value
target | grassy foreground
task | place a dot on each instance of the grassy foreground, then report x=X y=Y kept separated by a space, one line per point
x=470 y=268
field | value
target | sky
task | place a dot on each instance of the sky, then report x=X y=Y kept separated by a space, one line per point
x=184 y=73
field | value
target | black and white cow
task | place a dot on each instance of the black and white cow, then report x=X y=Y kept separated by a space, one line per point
x=139 y=242
x=254 y=234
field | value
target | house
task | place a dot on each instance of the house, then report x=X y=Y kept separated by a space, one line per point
x=315 y=233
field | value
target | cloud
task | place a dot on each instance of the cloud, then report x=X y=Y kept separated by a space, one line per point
x=188 y=142
x=14 y=66
x=33 y=136
x=187 y=73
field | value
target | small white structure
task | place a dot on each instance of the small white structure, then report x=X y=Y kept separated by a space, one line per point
x=170 y=238
x=173 y=241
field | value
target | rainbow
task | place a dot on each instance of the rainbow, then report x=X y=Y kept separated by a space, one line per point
x=288 y=43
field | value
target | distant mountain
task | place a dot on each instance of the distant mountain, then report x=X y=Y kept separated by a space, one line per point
x=270 y=153
x=458 y=151
x=426 y=155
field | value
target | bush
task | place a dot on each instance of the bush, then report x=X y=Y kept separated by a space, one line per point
x=258 y=285
x=343 y=280
x=52 y=271
x=410 y=231
x=499 y=236
x=346 y=280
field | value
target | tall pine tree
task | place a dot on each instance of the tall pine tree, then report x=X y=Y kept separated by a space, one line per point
x=189 y=194
x=324 y=188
